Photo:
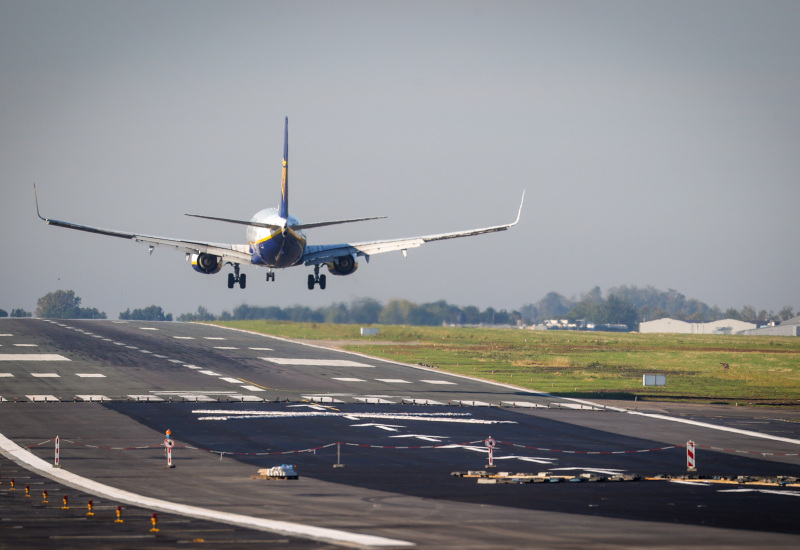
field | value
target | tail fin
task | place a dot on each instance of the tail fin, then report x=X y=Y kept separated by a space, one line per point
x=283 y=210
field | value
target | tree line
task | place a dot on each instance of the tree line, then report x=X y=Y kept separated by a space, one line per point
x=623 y=305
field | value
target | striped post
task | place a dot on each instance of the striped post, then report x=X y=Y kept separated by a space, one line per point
x=690 y=457
x=58 y=460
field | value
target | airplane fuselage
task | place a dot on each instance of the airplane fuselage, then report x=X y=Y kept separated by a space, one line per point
x=274 y=247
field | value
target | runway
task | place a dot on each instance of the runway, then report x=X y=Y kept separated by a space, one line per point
x=236 y=401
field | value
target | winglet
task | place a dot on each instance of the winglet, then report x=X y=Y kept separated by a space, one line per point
x=520 y=208
x=283 y=210
x=36 y=198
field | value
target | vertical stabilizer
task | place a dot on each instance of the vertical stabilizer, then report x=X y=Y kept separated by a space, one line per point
x=283 y=210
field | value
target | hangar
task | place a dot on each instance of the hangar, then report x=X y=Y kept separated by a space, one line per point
x=724 y=326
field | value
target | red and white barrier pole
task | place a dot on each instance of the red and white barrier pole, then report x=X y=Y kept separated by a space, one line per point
x=490 y=443
x=168 y=444
x=57 y=463
x=691 y=464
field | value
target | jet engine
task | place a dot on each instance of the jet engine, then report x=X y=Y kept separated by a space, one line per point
x=206 y=263
x=343 y=265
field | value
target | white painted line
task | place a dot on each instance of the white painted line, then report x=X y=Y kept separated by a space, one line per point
x=26 y=345
x=322 y=399
x=12 y=334
x=37 y=398
x=195 y=367
x=131 y=347
x=145 y=351
x=112 y=493
x=210 y=373
x=32 y=357
x=148 y=328
x=315 y=362
x=92 y=398
x=349 y=379
x=374 y=400
x=184 y=337
x=159 y=356
x=441 y=382
x=253 y=388
x=213 y=338
x=6 y=375
x=90 y=375
x=144 y=398
x=261 y=349
x=231 y=380
x=119 y=343
x=525 y=404
x=176 y=361
x=416 y=401
x=393 y=380
x=244 y=398
x=45 y=375
x=720 y=428
x=224 y=347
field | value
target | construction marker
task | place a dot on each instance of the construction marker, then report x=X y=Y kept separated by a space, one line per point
x=154 y=519
x=66 y=505
x=119 y=515
x=90 y=513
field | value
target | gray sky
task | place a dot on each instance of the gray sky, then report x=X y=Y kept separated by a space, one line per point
x=659 y=143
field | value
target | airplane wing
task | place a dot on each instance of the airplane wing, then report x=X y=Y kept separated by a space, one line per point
x=320 y=254
x=229 y=252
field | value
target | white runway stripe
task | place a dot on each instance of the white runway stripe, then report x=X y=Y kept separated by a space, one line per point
x=315 y=362
x=441 y=382
x=90 y=375
x=32 y=357
x=38 y=398
x=45 y=375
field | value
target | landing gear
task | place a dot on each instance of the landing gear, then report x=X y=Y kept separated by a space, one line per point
x=234 y=277
x=315 y=279
x=270 y=275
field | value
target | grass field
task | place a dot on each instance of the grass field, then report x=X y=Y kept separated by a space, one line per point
x=763 y=370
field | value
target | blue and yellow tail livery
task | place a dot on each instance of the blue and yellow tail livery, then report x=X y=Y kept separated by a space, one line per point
x=283 y=211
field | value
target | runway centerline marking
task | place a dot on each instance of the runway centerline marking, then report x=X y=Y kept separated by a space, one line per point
x=45 y=375
x=90 y=375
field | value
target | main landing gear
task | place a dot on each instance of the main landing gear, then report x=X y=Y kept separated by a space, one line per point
x=234 y=278
x=270 y=275
x=315 y=279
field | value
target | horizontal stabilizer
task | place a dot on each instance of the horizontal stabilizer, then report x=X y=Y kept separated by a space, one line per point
x=299 y=226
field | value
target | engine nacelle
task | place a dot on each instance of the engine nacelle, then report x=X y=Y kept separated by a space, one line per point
x=206 y=263
x=343 y=265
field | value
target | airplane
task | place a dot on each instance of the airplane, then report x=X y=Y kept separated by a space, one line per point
x=277 y=240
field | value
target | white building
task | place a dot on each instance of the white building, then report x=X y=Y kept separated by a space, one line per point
x=790 y=327
x=667 y=325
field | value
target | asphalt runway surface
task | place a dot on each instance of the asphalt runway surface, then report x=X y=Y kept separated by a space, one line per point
x=236 y=402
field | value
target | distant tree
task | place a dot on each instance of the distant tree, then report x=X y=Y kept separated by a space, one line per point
x=19 y=312
x=202 y=315
x=64 y=304
x=150 y=313
x=785 y=313
x=621 y=312
x=365 y=311
x=396 y=312
x=748 y=313
x=3 y=313
x=732 y=313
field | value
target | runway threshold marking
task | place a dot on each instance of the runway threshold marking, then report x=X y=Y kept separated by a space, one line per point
x=315 y=362
x=335 y=536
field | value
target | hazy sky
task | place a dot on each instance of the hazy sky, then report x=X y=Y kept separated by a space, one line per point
x=659 y=144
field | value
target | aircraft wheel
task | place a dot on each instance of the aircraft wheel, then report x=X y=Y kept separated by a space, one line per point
x=230 y=280
x=322 y=282
x=242 y=280
x=310 y=282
